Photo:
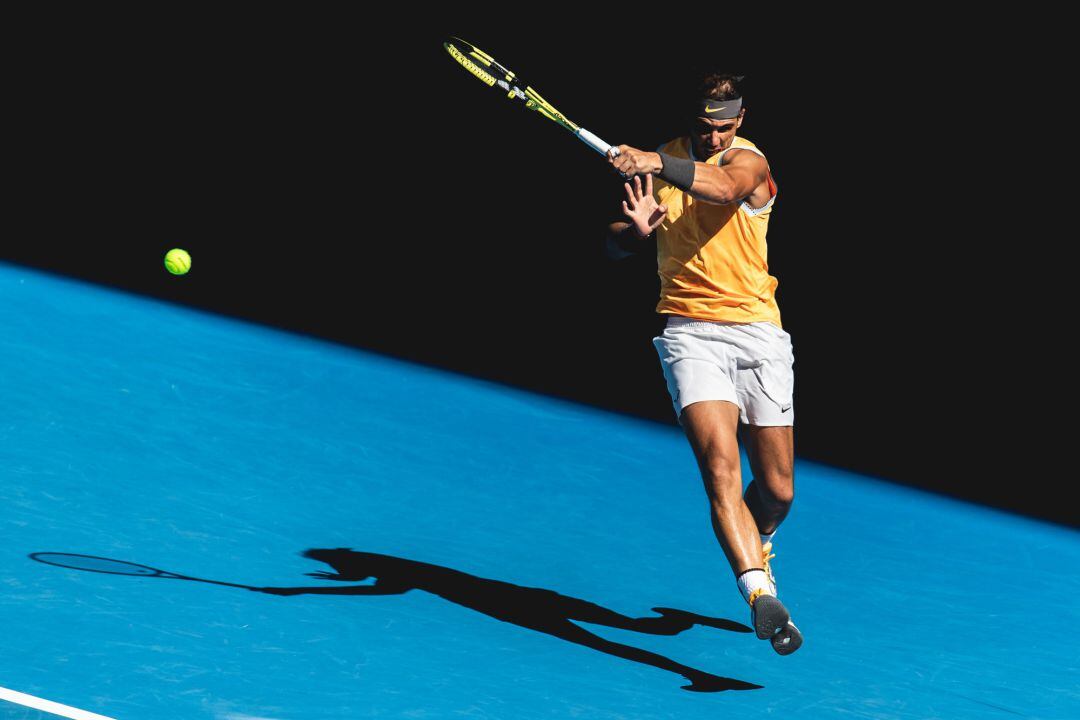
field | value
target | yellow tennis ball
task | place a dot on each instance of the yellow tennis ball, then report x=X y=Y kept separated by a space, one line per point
x=177 y=261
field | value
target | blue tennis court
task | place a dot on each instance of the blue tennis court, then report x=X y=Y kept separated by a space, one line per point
x=522 y=543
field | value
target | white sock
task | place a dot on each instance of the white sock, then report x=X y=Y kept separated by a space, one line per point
x=767 y=538
x=753 y=580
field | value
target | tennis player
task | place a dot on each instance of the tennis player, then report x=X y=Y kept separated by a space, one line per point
x=727 y=360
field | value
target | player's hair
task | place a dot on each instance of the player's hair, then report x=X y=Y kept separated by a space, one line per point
x=720 y=86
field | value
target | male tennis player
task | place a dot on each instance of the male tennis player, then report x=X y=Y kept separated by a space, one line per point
x=727 y=360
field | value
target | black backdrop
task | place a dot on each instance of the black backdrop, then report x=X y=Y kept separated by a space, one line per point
x=341 y=176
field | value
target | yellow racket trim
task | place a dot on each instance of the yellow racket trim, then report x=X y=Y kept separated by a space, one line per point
x=469 y=65
x=535 y=102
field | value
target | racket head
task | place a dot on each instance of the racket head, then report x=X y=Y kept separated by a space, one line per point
x=494 y=74
x=479 y=63
x=93 y=563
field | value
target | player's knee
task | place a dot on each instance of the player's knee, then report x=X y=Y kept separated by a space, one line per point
x=722 y=478
x=784 y=496
x=778 y=486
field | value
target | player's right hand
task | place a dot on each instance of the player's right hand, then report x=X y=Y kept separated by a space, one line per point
x=629 y=161
x=641 y=207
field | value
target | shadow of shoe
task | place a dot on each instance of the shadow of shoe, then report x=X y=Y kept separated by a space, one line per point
x=704 y=682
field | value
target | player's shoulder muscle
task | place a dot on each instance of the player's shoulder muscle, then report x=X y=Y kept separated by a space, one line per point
x=744 y=157
x=746 y=160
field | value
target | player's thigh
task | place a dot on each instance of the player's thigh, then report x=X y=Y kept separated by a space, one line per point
x=770 y=450
x=711 y=426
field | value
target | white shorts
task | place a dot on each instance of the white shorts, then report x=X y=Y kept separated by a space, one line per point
x=749 y=364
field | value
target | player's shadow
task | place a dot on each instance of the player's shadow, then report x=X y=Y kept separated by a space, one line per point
x=534 y=608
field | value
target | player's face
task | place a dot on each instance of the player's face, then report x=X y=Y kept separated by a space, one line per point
x=711 y=136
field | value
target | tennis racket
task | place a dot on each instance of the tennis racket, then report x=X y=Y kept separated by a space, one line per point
x=491 y=73
x=91 y=563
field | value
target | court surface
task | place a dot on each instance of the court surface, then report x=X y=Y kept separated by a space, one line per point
x=534 y=533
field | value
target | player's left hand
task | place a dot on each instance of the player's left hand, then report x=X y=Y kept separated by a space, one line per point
x=631 y=161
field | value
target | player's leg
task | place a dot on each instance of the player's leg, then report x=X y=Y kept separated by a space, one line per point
x=764 y=385
x=711 y=428
x=769 y=494
x=771 y=452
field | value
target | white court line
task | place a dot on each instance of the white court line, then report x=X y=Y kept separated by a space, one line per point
x=48 y=706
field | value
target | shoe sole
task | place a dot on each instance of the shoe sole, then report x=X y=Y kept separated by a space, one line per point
x=770 y=616
x=788 y=640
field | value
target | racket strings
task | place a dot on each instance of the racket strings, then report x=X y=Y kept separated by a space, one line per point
x=92 y=563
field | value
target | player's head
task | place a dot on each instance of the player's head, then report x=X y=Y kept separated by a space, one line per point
x=718 y=113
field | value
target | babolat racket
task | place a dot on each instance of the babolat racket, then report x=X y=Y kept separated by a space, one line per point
x=491 y=73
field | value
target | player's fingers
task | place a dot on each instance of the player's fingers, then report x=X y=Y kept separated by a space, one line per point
x=648 y=183
x=657 y=217
x=630 y=195
x=637 y=186
x=626 y=210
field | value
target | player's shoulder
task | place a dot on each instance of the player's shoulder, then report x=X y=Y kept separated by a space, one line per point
x=742 y=151
x=741 y=143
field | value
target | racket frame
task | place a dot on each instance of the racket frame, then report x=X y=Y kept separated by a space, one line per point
x=489 y=71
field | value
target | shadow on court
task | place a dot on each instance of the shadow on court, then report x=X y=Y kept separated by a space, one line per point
x=535 y=608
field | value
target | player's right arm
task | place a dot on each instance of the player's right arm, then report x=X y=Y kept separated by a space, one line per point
x=376 y=589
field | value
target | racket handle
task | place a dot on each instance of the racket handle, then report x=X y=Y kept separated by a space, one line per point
x=596 y=143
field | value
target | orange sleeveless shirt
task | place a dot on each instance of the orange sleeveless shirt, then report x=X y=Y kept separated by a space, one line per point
x=712 y=259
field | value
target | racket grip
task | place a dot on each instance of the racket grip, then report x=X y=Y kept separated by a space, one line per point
x=596 y=143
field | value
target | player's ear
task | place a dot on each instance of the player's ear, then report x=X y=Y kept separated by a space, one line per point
x=742 y=114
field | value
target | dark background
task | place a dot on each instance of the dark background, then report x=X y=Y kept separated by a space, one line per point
x=343 y=177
